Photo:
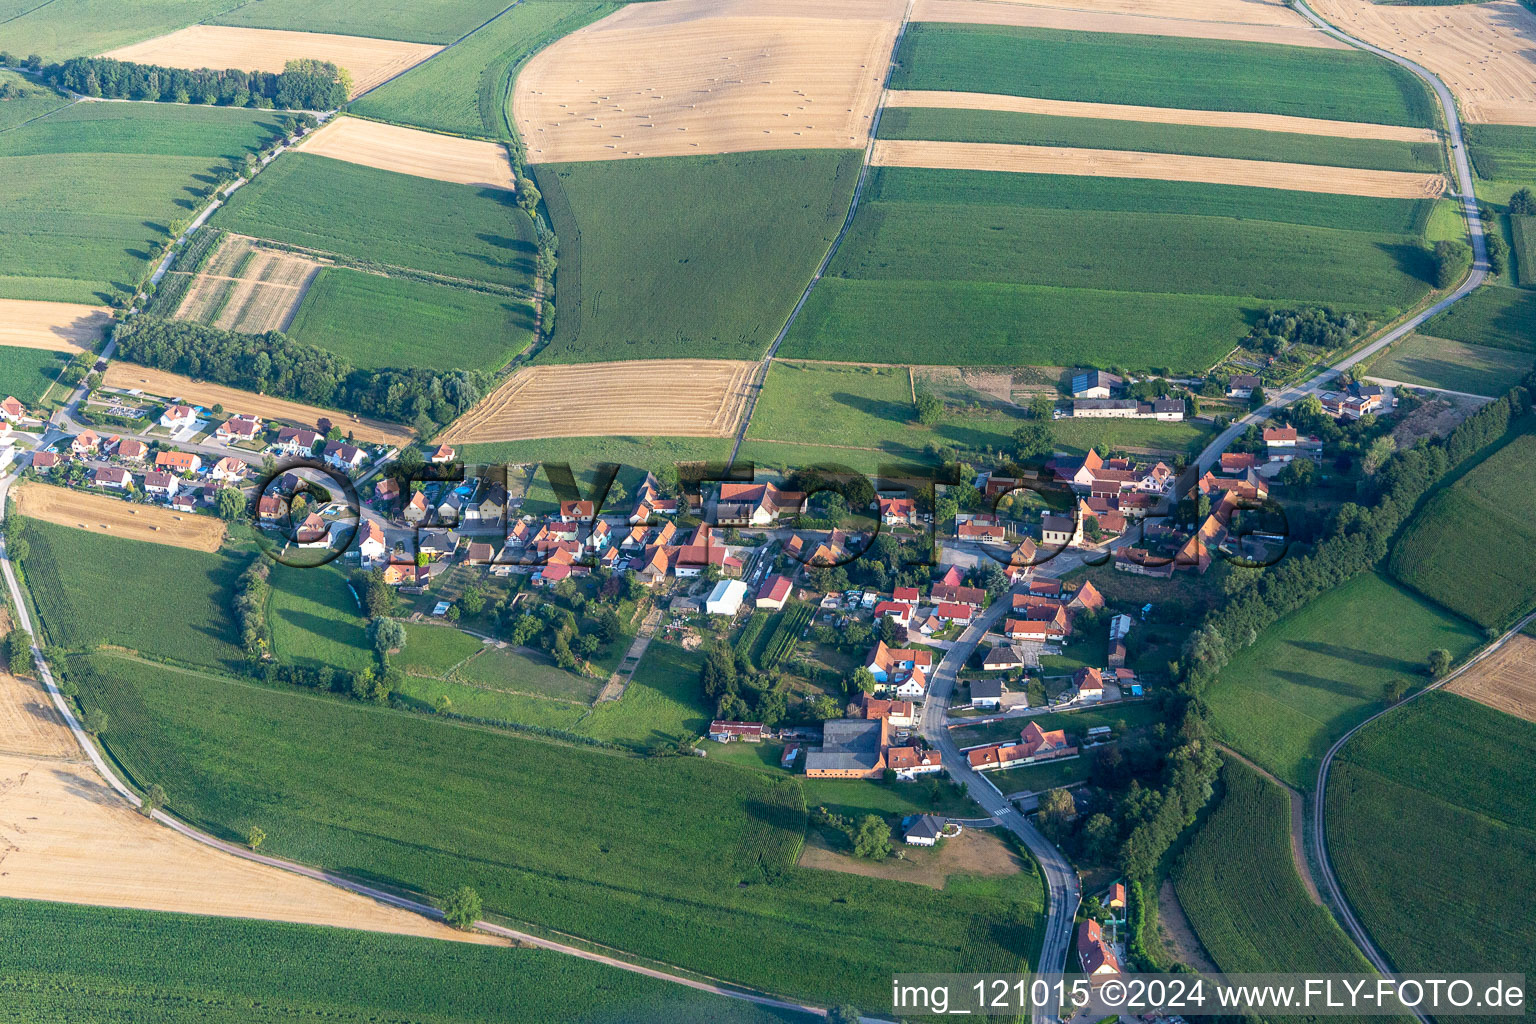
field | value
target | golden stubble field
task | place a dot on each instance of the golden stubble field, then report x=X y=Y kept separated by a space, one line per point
x=371 y=61
x=1506 y=680
x=1162 y=166
x=1159 y=115
x=245 y=287
x=661 y=398
x=100 y=513
x=1484 y=52
x=165 y=384
x=1252 y=21
x=55 y=326
x=683 y=77
x=390 y=147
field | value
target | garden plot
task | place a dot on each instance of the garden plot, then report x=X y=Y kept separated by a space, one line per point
x=1482 y=51
x=55 y=326
x=982 y=156
x=940 y=99
x=681 y=77
x=119 y=518
x=390 y=147
x=661 y=397
x=1506 y=680
x=248 y=288
x=371 y=62
x=1251 y=21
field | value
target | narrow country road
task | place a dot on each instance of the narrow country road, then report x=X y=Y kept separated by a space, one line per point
x=1328 y=877
x=1062 y=892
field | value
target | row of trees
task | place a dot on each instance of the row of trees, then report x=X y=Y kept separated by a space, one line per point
x=302 y=84
x=275 y=364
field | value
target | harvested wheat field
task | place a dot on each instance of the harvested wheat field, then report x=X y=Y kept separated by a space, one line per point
x=246 y=287
x=173 y=385
x=28 y=722
x=972 y=852
x=55 y=326
x=660 y=397
x=65 y=836
x=1505 y=681
x=390 y=147
x=1248 y=21
x=1159 y=115
x=370 y=61
x=1104 y=163
x=1485 y=52
x=102 y=514
x=680 y=77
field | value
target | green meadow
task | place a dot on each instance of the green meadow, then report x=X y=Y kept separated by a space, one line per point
x=1493 y=316
x=375 y=321
x=441 y=21
x=1284 y=699
x=27 y=372
x=1161 y=71
x=1455 y=365
x=56 y=29
x=688 y=256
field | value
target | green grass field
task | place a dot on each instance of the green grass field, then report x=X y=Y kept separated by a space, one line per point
x=688 y=256
x=1492 y=316
x=77 y=28
x=465 y=89
x=433 y=650
x=315 y=619
x=1442 y=363
x=568 y=838
x=1319 y=670
x=1237 y=882
x=131 y=169
x=375 y=321
x=996 y=126
x=663 y=702
x=1502 y=153
x=1048 y=270
x=1429 y=823
x=378 y=216
x=1523 y=249
x=1099 y=67
x=27 y=372
x=440 y=22
x=644 y=453
x=68 y=962
x=40 y=100
x=158 y=599
x=528 y=672
x=1472 y=548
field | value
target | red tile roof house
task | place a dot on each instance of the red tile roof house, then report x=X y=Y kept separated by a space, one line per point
x=1093 y=953
x=177 y=416
x=951 y=612
x=576 y=511
x=981 y=533
x=906 y=595
x=132 y=451
x=296 y=441
x=442 y=454
x=910 y=762
x=774 y=592
x=270 y=508
x=228 y=469
x=1233 y=463
x=899 y=713
x=111 y=476
x=312 y=532
x=898 y=611
x=344 y=456
x=85 y=443
x=897 y=511
x=178 y=462
x=747 y=732
x=888 y=664
x=11 y=409
x=945 y=593
x=238 y=428
x=1089 y=683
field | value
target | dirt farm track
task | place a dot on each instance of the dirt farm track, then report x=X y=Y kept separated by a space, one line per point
x=1506 y=681
x=174 y=385
x=663 y=397
x=371 y=61
x=102 y=514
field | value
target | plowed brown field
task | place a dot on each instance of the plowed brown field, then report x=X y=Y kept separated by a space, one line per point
x=55 y=326
x=661 y=397
x=245 y=287
x=1104 y=163
x=102 y=514
x=1159 y=115
x=390 y=147
x=371 y=61
x=1506 y=680
x=174 y=385
x=1485 y=52
x=1253 y=21
x=679 y=77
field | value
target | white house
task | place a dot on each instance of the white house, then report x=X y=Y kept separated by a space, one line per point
x=726 y=598
x=160 y=485
x=372 y=546
x=111 y=476
x=925 y=831
x=177 y=416
x=228 y=469
x=344 y=456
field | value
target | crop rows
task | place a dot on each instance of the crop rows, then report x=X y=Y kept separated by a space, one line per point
x=785 y=636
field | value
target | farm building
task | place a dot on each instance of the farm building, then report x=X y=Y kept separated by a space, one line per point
x=725 y=732
x=726 y=598
x=851 y=748
x=925 y=831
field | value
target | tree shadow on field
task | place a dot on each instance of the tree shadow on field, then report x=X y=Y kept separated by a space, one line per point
x=155 y=226
x=521 y=262
x=893 y=412
x=1412 y=260
x=1355 y=656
